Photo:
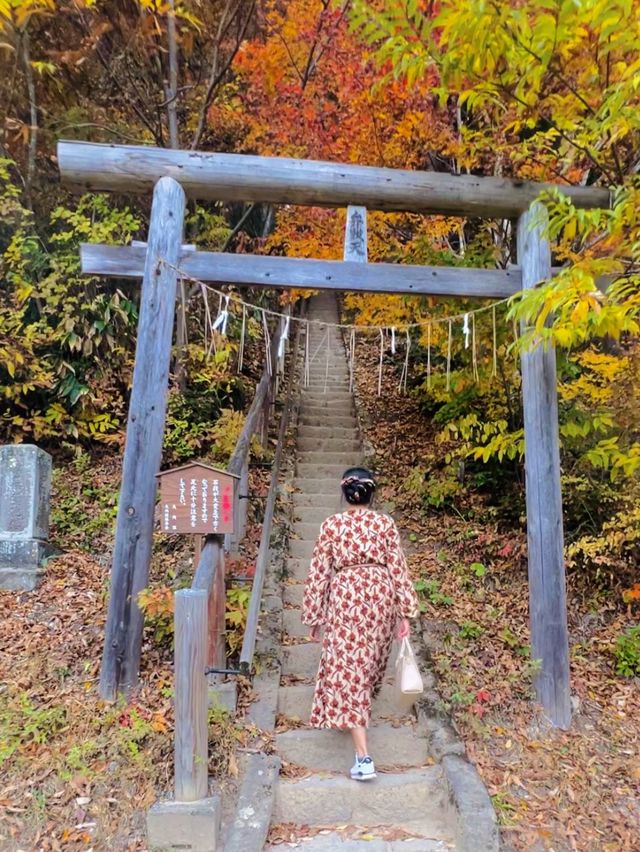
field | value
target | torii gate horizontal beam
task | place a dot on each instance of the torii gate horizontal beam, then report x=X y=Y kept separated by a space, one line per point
x=285 y=272
x=279 y=180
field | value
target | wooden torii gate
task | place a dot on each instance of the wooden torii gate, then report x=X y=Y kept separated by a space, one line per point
x=235 y=177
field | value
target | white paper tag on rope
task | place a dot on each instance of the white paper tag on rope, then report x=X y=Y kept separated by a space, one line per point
x=355 y=235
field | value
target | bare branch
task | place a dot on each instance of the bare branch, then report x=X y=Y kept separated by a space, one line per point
x=33 y=113
x=216 y=77
x=172 y=88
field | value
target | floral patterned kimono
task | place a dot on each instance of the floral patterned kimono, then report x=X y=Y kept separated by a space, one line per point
x=358 y=587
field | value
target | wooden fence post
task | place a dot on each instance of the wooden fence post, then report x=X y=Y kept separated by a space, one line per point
x=547 y=594
x=216 y=645
x=143 y=447
x=191 y=743
x=243 y=504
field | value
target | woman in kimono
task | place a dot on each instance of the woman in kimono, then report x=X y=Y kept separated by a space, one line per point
x=359 y=591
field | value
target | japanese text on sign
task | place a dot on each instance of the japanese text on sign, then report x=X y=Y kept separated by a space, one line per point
x=196 y=499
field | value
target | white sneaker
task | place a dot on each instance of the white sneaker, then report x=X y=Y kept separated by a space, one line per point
x=363 y=769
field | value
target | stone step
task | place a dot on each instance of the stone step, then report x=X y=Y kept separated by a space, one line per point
x=413 y=798
x=327 y=500
x=338 y=372
x=329 y=400
x=318 y=485
x=312 y=514
x=349 y=458
x=301 y=660
x=320 y=471
x=308 y=432
x=305 y=531
x=327 y=420
x=332 y=751
x=337 y=842
x=322 y=392
x=292 y=593
x=319 y=389
x=297 y=568
x=336 y=377
x=337 y=363
x=295 y=701
x=329 y=409
x=327 y=445
x=301 y=549
x=332 y=397
x=338 y=357
x=292 y=624
x=312 y=424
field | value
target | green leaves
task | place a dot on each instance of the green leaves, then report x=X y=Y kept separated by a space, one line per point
x=66 y=340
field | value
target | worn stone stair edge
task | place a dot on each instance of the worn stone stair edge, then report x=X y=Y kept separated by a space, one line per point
x=250 y=827
x=476 y=824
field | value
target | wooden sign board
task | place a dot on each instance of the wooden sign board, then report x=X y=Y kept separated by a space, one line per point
x=355 y=237
x=197 y=499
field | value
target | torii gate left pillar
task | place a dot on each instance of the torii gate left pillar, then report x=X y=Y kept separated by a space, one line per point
x=143 y=445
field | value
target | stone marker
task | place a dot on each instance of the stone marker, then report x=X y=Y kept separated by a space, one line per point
x=25 y=492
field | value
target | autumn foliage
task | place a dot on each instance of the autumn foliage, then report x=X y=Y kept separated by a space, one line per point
x=544 y=91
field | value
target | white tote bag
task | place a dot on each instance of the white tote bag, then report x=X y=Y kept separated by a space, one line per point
x=408 y=677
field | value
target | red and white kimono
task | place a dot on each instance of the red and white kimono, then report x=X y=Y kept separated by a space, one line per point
x=358 y=587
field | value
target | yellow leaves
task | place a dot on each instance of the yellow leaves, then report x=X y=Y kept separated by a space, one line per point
x=159 y=723
x=580 y=311
x=19 y=12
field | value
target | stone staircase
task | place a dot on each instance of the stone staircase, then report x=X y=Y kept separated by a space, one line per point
x=409 y=798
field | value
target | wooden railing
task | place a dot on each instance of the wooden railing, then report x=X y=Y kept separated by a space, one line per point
x=200 y=611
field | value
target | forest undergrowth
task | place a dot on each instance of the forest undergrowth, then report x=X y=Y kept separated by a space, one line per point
x=76 y=772
x=573 y=790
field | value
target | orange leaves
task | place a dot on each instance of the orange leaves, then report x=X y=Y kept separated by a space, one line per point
x=632 y=595
x=156 y=602
x=318 y=76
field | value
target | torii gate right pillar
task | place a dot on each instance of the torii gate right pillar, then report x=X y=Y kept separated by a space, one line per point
x=547 y=593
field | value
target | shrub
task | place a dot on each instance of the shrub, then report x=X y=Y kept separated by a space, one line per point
x=627 y=652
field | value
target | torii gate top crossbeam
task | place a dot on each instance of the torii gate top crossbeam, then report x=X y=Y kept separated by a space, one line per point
x=278 y=180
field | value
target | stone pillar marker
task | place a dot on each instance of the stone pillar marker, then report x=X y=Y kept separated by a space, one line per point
x=25 y=493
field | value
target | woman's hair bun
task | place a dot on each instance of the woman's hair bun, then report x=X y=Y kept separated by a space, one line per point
x=358 y=486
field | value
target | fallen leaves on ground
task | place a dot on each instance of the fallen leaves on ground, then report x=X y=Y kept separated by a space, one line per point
x=74 y=770
x=293 y=835
x=288 y=723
